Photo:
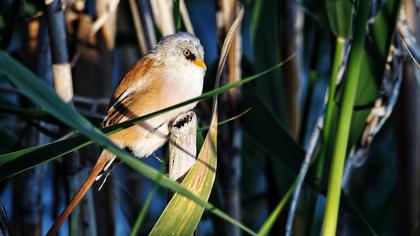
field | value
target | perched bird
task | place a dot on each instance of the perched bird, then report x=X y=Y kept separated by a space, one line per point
x=171 y=73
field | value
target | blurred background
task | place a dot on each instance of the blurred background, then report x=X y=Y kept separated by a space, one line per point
x=282 y=115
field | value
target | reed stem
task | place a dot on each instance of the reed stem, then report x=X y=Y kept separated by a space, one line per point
x=326 y=136
x=344 y=121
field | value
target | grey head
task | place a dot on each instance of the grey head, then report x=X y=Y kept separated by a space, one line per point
x=181 y=48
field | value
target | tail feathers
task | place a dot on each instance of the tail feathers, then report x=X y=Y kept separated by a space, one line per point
x=103 y=159
x=107 y=171
x=104 y=180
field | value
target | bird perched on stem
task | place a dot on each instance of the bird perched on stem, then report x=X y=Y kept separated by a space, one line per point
x=171 y=73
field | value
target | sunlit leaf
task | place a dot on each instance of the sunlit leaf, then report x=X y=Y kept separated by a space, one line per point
x=181 y=216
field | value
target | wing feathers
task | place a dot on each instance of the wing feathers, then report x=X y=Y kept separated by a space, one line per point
x=136 y=74
x=119 y=110
x=133 y=82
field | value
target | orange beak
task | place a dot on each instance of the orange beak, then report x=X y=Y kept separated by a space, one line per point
x=200 y=63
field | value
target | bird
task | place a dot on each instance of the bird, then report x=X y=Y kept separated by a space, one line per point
x=171 y=73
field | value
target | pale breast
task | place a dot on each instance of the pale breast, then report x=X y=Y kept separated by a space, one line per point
x=175 y=87
x=183 y=85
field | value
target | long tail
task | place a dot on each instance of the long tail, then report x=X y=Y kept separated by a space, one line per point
x=100 y=164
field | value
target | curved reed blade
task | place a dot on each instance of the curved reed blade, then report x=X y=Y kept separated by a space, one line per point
x=181 y=215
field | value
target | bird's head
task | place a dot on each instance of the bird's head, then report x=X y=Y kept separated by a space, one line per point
x=181 y=50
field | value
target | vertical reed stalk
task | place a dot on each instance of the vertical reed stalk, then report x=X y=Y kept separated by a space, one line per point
x=139 y=27
x=329 y=110
x=62 y=78
x=107 y=21
x=63 y=83
x=147 y=20
x=185 y=16
x=163 y=15
x=344 y=121
x=30 y=185
x=292 y=71
x=408 y=131
x=182 y=145
x=231 y=138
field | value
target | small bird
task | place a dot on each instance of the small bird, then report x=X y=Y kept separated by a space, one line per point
x=171 y=73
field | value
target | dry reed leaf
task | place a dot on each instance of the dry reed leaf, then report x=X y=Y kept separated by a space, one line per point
x=185 y=17
x=106 y=11
x=163 y=15
x=139 y=26
x=176 y=220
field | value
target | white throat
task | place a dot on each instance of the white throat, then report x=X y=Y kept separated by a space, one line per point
x=184 y=82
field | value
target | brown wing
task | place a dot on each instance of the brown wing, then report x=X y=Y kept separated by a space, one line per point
x=118 y=106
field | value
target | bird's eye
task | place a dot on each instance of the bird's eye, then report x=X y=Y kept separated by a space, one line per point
x=188 y=54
